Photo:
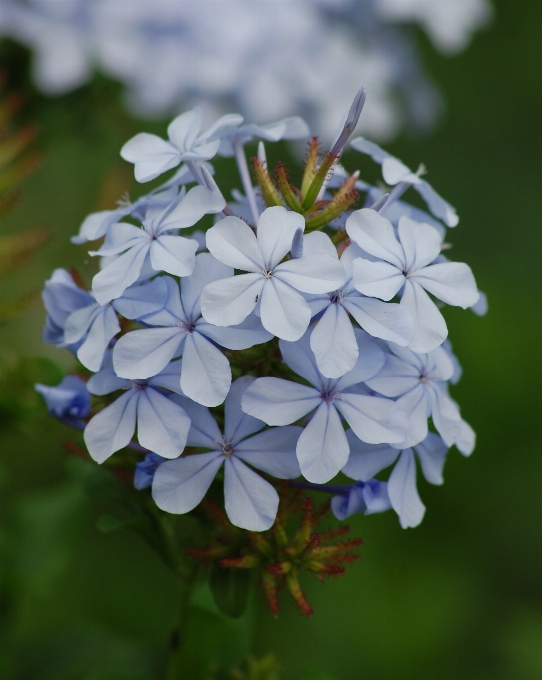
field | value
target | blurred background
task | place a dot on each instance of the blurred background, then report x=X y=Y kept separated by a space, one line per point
x=458 y=597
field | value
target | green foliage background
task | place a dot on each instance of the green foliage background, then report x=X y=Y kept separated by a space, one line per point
x=458 y=597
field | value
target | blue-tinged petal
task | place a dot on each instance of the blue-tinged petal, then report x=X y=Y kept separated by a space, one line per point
x=377 y=279
x=375 y=234
x=394 y=171
x=96 y=224
x=430 y=329
x=237 y=423
x=206 y=372
x=251 y=502
x=421 y=243
x=367 y=460
x=432 y=454
x=151 y=156
x=437 y=205
x=117 y=276
x=121 y=237
x=300 y=358
x=318 y=243
x=373 y=419
x=138 y=301
x=369 y=362
x=69 y=399
x=370 y=148
x=206 y=270
x=322 y=448
x=272 y=451
x=204 y=431
x=184 y=129
x=189 y=209
x=162 y=425
x=334 y=343
x=466 y=439
x=144 y=353
x=445 y=413
x=78 y=323
x=224 y=126
x=180 y=485
x=146 y=469
x=385 y=320
x=312 y=274
x=348 y=504
x=233 y=242
x=169 y=378
x=172 y=311
x=103 y=329
x=396 y=377
x=279 y=402
x=173 y=254
x=403 y=492
x=451 y=282
x=275 y=232
x=113 y=428
x=417 y=406
x=376 y=496
x=248 y=333
x=228 y=302
x=283 y=311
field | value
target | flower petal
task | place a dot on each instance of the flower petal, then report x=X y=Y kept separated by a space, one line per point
x=300 y=358
x=279 y=402
x=376 y=236
x=206 y=270
x=417 y=406
x=237 y=423
x=275 y=232
x=251 y=502
x=432 y=454
x=370 y=361
x=228 y=302
x=445 y=414
x=173 y=254
x=322 y=449
x=138 y=301
x=377 y=279
x=204 y=431
x=430 y=329
x=162 y=425
x=395 y=377
x=403 y=492
x=367 y=460
x=312 y=274
x=451 y=282
x=103 y=329
x=373 y=419
x=113 y=428
x=233 y=242
x=144 y=353
x=437 y=205
x=421 y=243
x=151 y=155
x=272 y=451
x=117 y=276
x=248 y=333
x=334 y=343
x=191 y=207
x=283 y=311
x=385 y=320
x=206 y=373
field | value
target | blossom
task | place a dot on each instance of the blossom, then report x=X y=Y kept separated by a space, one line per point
x=274 y=285
x=419 y=382
x=133 y=245
x=250 y=501
x=293 y=127
x=404 y=262
x=162 y=425
x=69 y=399
x=368 y=497
x=333 y=339
x=180 y=329
x=322 y=449
x=367 y=460
x=152 y=156
x=145 y=470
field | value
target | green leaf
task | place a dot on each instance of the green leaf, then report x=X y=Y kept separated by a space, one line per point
x=107 y=523
x=230 y=588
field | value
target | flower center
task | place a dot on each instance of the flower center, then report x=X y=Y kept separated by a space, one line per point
x=335 y=297
x=186 y=327
x=227 y=449
x=267 y=274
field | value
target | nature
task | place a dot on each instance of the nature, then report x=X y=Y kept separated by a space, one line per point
x=84 y=596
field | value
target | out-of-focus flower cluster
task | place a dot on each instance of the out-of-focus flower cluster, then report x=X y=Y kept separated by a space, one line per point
x=299 y=335
x=270 y=58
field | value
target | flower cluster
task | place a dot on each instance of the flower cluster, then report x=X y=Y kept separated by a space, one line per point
x=271 y=58
x=288 y=333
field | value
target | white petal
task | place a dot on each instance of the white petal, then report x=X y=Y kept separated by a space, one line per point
x=367 y=460
x=451 y=282
x=418 y=408
x=105 y=380
x=376 y=236
x=318 y=243
x=206 y=373
x=385 y=320
x=279 y=402
x=421 y=243
x=251 y=502
x=430 y=327
x=77 y=324
x=395 y=378
x=283 y=311
x=174 y=255
x=247 y=334
x=377 y=279
x=103 y=329
x=206 y=270
x=393 y=172
x=334 y=343
x=403 y=492
x=445 y=414
x=138 y=301
x=272 y=451
x=312 y=274
x=113 y=280
x=144 y=353
x=322 y=449
x=228 y=302
x=152 y=156
x=180 y=485
x=374 y=420
x=466 y=440
x=184 y=129
x=275 y=232
x=169 y=378
x=300 y=358
x=162 y=425
x=204 y=431
x=432 y=454
x=437 y=205
x=237 y=423
x=370 y=361
x=233 y=242
x=199 y=201
x=113 y=428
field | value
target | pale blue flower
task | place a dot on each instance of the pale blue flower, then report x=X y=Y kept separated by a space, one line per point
x=403 y=262
x=166 y=252
x=162 y=425
x=367 y=460
x=369 y=497
x=180 y=329
x=272 y=284
x=419 y=382
x=286 y=128
x=323 y=449
x=69 y=399
x=145 y=470
x=333 y=340
x=251 y=502
x=152 y=156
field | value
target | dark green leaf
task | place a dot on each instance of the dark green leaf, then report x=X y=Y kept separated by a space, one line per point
x=230 y=588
